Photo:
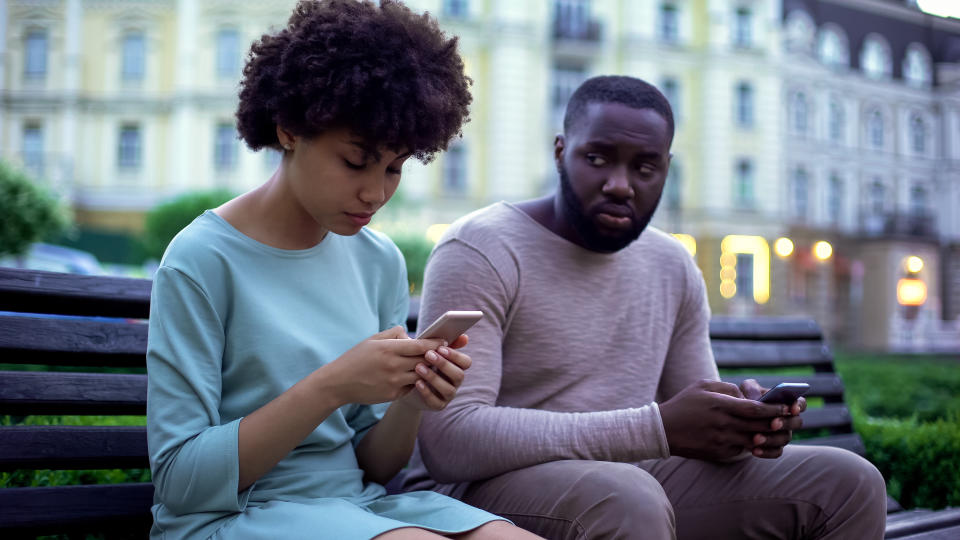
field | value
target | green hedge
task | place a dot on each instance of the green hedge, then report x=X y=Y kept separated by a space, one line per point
x=919 y=460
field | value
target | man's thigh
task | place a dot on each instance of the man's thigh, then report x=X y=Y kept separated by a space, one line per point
x=579 y=500
x=809 y=492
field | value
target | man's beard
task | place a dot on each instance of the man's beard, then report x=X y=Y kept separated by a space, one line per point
x=593 y=238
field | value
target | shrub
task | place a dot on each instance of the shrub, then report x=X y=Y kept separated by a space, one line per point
x=28 y=213
x=166 y=220
x=919 y=460
x=416 y=250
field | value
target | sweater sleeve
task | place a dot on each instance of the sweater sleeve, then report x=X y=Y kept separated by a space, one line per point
x=690 y=357
x=193 y=455
x=474 y=438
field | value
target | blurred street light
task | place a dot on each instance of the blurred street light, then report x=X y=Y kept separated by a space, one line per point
x=822 y=250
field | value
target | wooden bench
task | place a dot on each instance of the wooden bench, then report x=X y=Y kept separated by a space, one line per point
x=122 y=510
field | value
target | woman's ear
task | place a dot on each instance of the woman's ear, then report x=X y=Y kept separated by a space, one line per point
x=287 y=139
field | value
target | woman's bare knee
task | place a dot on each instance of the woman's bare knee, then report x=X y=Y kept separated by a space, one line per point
x=497 y=530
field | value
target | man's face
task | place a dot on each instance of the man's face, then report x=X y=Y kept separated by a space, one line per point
x=612 y=164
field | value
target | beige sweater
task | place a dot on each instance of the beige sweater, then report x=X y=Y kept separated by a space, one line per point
x=573 y=353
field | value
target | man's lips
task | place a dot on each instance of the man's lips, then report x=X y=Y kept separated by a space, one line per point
x=360 y=219
x=615 y=216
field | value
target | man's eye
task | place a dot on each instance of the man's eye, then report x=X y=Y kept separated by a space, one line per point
x=596 y=160
x=647 y=169
x=352 y=165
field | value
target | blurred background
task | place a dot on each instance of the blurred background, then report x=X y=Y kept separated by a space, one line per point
x=816 y=161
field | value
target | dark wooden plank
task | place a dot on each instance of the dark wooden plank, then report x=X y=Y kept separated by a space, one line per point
x=73 y=447
x=826 y=385
x=23 y=393
x=847 y=441
x=32 y=340
x=111 y=507
x=764 y=328
x=949 y=533
x=763 y=354
x=923 y=522
x=832 y=415
x=35 y=291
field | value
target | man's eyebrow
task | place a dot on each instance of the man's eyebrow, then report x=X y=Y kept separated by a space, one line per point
x=601 y=145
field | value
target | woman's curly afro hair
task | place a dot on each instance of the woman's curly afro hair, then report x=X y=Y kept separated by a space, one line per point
x=389 y=75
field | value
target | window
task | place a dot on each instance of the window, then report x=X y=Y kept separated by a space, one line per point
x=572 y=18
x=455 y=169
x=918 y=201
x=674 y=187
x=228 y=53
x=669 y=23
x=799 y=32
x=225 y=147
x=743 y=27
x=133 y=57
x=743 y=187
x=875 y=129
x=918 y=134
x=837 y=121
x=878 y=195
x=800 y=112
x=565 y=81
x=832 y=48
x=916 y=66
x=35 y=55
x=835 y=199
x=32 y=149
x=745 y=105
x=671 y=91
x=744 y=279
x=800 y=194
x=875 y=57
x=456 y=9
x=129 y=149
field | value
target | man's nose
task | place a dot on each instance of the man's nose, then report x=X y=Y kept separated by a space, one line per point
x=618 y=184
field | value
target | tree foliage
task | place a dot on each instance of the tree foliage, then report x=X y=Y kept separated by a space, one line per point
x=167 y=219
x=28 y=213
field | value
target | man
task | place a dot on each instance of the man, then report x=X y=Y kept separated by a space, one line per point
x=593 y=408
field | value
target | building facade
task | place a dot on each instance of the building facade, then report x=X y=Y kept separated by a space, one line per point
x=832 y=121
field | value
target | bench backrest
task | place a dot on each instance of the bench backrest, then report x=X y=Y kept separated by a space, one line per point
x=100 y=321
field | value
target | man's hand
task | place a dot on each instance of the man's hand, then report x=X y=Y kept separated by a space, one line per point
x=711 y=420
x=770 y=444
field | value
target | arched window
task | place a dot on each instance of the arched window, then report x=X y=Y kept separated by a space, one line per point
x=744 y=186
x=801 y=112
x=918 y=200
x=916 y=66
x=801 y=193
x=745 y=104
x=875 y=129
x=799 y=32
x=918 y=134
x=878 y=196
x=35 y=54
x=837 y=121
x=875 y=57
x=835 y=199
x=832 y=47
x=229 y=54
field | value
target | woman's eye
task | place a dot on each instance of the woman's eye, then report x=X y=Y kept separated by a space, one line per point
x=352 y=165
x=596 y=159
x=393 y=170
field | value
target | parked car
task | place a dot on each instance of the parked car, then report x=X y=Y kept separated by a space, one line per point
x=53 y=258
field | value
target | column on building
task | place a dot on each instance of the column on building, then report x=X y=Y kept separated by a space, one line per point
x=64 y=168
x=182 y=144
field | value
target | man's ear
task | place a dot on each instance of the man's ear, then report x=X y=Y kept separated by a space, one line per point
x=558 y=147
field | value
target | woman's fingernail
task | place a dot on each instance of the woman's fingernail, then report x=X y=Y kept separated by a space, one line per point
x=431 y=356
x=444 y=351
x=421 y=369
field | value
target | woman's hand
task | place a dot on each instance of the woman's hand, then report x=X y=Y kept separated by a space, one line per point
x=440 y=379
x=380 y=368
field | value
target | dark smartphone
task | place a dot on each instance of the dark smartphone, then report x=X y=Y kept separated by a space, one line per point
x=785 y=393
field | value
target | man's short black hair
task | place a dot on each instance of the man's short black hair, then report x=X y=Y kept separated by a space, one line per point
x=629 y=91
x=389 y=75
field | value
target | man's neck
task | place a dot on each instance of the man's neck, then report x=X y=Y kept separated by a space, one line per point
x=548 y=211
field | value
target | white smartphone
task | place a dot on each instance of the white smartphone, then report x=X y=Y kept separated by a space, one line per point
x=450 y=325
x=785 y=393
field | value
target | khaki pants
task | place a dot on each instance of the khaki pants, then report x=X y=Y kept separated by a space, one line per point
x=809 y=492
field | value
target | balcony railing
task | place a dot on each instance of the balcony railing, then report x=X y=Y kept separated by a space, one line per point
x=912 y=225
x=567 y=27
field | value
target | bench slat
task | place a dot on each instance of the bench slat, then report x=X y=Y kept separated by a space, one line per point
x=73 y=447
x=847 y=441
x=32 y=340
x=105 y=507
x=945 y=522
x=764 y=328
x=757 y=354
x=36 y=291
x=24 y=393
x=825 y=385
x=831 y=415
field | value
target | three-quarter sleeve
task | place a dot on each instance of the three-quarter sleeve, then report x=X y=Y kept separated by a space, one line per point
x=193 y=455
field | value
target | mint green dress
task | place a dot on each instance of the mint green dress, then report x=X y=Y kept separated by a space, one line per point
x=233 y=324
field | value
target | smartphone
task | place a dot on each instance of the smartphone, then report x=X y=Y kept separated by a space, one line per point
x=451 y=325
x=785 y=393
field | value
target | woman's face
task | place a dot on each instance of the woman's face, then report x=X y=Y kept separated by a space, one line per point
x=337 y=182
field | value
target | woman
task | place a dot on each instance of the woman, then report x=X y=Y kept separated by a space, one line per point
x=276 y=320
